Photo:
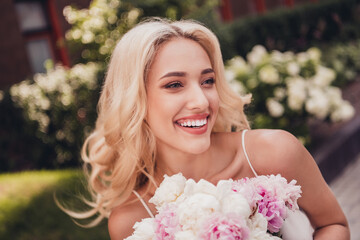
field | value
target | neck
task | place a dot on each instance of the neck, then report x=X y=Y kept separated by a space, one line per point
x=195 y=166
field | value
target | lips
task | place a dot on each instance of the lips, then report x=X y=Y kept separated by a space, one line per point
x=194 y=124
x=197 y=120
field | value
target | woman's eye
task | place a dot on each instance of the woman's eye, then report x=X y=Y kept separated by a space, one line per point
x=209 y=81
x=173 y=85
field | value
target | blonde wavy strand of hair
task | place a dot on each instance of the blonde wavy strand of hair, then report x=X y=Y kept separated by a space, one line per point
x=119 y=155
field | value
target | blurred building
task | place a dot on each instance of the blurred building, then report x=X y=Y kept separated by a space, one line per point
x=32 y=31
x=232 y=9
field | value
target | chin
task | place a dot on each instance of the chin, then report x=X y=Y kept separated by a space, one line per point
x=198 y=148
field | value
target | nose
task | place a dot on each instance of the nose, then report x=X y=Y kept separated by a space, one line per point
x=197 y=98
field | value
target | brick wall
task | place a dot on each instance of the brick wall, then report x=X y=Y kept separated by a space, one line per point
x=14 y=63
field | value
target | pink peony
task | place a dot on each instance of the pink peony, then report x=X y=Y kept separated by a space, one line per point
x=280 y=188
x=293 y=192
x=249 y=208
x=273 y=209
x=226 y=227
x=166 y=223
x=272 y=195
x=247 y=189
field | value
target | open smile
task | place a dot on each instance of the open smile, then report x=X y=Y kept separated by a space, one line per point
x=193 y=123
x=196 y=124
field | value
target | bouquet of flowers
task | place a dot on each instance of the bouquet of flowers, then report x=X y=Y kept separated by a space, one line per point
x=250 y=208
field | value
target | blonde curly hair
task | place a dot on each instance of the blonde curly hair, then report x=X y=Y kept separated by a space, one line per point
x=119 y=155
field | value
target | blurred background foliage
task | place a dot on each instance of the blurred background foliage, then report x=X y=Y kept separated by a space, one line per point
x=300 y=28
x=33 y=214
x=287 y=89
x=48 y=116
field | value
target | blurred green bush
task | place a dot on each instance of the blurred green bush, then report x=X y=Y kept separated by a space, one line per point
x=96 y=30
x=344 y=58
x=61 y=105
x=46 y=118
x=299 y=28
x=287 y=89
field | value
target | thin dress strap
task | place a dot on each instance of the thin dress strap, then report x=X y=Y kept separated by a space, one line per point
x=244 y=150
x=143 y=203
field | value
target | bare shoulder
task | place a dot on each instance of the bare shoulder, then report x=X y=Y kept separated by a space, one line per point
x=279 y=152
x=227 y=140
x=276 y=151
x=122 y=219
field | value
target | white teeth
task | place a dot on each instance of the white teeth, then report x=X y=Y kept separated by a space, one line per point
x=194 y=123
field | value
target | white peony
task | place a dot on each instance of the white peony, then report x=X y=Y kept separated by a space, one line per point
x=170 y=189
x=232 y=202
x=235 y=203
x=275 y=108
x=194 y=208
x=203 y=186
x=144 y=230
x=258 y=228
x=188 y=215
x=185 y=235
x=223 y=188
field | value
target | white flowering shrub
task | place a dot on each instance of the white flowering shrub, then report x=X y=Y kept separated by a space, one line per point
x=53 y=111
x=97 y=29
x=344 y=58
x=287 y=89
x=63 y=104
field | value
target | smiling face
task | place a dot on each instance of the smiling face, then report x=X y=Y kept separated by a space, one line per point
x=182 y=98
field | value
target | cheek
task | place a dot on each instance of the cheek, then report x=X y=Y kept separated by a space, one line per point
x=161 y=110
x=214 y=101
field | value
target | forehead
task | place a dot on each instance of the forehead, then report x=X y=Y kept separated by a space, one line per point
x=180 y=54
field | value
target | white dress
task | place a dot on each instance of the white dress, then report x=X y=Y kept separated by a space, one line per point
x=296 y=226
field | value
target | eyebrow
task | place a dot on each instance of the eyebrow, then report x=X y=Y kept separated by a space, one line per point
x=208 y=70
x=182 y=74
x=174 y=74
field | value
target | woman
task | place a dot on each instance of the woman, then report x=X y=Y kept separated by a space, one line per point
x=166 y=108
